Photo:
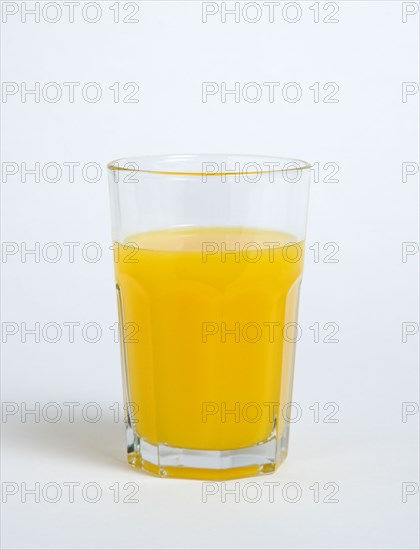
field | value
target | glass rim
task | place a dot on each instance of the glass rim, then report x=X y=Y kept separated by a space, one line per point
x=114 y=165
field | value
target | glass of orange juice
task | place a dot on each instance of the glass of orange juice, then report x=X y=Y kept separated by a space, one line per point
x=208 y=256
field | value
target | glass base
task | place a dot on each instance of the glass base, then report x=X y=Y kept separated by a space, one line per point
x=165 y=461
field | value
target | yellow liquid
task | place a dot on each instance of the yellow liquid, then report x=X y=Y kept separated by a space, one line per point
x=208 y=363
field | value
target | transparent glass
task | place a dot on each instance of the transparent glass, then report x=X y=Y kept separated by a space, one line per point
x=208 y=262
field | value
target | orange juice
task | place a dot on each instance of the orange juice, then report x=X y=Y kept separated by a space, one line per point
x=206 y=315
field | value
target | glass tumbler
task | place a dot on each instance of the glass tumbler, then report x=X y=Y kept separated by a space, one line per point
x=208 y=256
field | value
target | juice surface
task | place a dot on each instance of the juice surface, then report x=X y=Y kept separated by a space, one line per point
x=208 y=342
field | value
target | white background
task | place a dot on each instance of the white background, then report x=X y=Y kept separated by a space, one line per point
x=370 y=292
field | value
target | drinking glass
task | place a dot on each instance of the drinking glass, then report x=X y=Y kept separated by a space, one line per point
x=208 y=260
